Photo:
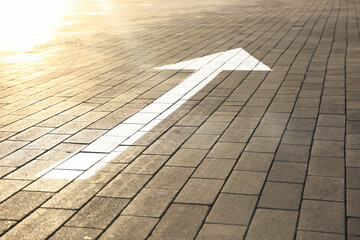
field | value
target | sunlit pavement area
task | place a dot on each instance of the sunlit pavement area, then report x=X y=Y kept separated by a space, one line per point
x=208 y=119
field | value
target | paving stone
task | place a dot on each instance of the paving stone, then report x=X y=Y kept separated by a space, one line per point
x=232 y=209
x=20 y=157
x=324 y=188
x=301 y=124
x=98 y=213
x=128 y=154
x=328 y=120
x=200 y=191
x=6 y=170
x=353 y=226
x=262 y=144
x=353 y=178
x=250 y=161
x=326 y=167
x=192 y=120
x=21 y=204
x=47 y=141
x=81 y=192
x=39 y=225
x=297 y=137
x=275 y=118
x=305 y=112
x=130 y=228
x=30 y=170
x=307 y=235
x=248 y=111
x=75 y=233
x=170 y=178
x=145 y=164
x=329 y=133
x=221 y=231
x=187 y=157
x=31 y=133
x=124 y=185
x=322 y=216
x=287 y=172
x=293 y=153
x=181 y=221
x=353 y=141
x=8 y=147
x=352 y=159
x=212 y=128
x=353 y=127
x=226 y=150
x=353 y=208
x=5 y=225
x=328 y=148
x=198 y=141
x=245 y=182
x=214 y=168
x=273 y=224
x=269 y=130
x=236 y=135
x=9 y=187
x=150 y=202
x=85 y=136
x=245 y=122
x=281 y=196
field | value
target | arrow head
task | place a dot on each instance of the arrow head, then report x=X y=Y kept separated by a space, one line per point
x=235 y=59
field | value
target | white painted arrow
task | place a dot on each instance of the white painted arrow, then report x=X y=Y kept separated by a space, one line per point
x=107 y=147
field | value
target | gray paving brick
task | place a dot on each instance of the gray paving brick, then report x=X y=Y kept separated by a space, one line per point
x=297 y=137
x=353 y=207
x=288 y=172
x=301 y=124
x=326 y=167
x=251 y=161
x=322 y=216
x=75 y=233
x=232 y=209
x=9 y=187
x=262 y=144
x=200 y=191
x=98 y=213
x=293 y=153
x=281 y=196
x=187 y=157
x=214 y=168
x=5 y=225
x=200 y=141
x=150 y=202
x=236 y=135
x=353 y=178
x=245 y=122
x=245 y=182
x=328 y=148
x=170 y=178
x=226 y=150
x=145 y=164
x=124 y=185
x=324 y=188
x=181 y=221
x=130 y=228
x=328 y=120
x=353 y=226
x=40 y=224
x=273 y=224
x=221 y=231
x=21 y=204
x=352 y=159
x=307 y=235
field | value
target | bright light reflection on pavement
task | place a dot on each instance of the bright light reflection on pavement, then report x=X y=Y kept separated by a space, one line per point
x=107 y=147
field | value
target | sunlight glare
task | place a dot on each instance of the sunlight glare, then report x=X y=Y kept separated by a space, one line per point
x=25 y=24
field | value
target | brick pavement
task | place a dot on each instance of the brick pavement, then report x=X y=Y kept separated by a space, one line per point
x=252 y=155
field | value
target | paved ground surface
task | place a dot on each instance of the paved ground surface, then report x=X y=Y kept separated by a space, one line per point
x=252 y=155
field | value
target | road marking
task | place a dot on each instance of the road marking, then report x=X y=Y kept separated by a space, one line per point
x=110 y=145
